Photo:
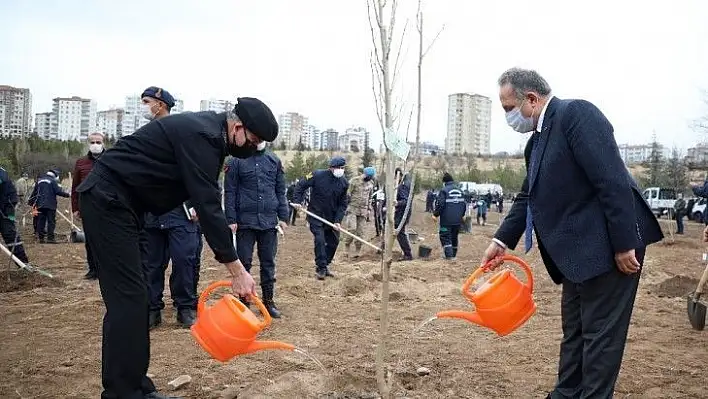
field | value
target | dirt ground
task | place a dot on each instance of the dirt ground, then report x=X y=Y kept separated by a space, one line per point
x=50 y=340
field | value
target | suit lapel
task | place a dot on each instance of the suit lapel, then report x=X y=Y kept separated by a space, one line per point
x=542 y=141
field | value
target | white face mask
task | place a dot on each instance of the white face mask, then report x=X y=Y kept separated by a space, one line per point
x=146 y=111
x=519 y=122
x=261 y=146
x=96 y=148
x=338 y=173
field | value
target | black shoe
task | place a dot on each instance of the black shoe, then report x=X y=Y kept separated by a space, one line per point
x=91 y=275
x=272 y=310
x=155 y=319
x=405 y=258
x=157 y=395
x=321 y=274
x=186 y=317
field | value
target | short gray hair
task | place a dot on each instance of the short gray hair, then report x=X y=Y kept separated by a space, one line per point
x=523 y=81
x=103 y=137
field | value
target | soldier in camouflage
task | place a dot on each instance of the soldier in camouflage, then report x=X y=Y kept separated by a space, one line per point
x=359 y=210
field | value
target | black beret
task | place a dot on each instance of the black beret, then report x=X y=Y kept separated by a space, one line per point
x=257 y=118
x=160 y=95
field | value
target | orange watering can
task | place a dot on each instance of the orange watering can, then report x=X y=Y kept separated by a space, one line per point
x=229 y=328
x=502 y=303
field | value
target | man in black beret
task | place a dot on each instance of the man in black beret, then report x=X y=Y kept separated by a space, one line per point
x=156 y=103
x=155 y=169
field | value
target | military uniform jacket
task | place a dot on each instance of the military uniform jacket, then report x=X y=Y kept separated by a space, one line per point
x=167 y=162
x=254 y=192
x=328 y=195
x=359 y=196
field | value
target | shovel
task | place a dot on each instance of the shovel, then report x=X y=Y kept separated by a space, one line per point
x=696 y=309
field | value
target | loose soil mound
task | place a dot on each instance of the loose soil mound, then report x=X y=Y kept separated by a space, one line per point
x=22 y=280
x=676 y=286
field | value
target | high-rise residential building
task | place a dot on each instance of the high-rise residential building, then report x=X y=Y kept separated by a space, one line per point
x=354 y=139
x=329 y=140
x=17 y=113
x=133 y=118
x=2 y=118
x=216 y=105
x=468 y=124
x=75 y=118
x=310 y=137
x=43 y=125
x=110 y=122
x=291 y=127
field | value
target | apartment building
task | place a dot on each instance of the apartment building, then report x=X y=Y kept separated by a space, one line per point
x=17 y=111
x=469 y=118
x=74 y=119
x=110 y=122
x=43 y=125
x=292 y=127
x=216 y=105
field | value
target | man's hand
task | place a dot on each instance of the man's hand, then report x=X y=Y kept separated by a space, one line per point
x=705 y=234
x=193 y=213
x=338 y=227
x=77 y=215
x=492 y=255
x=242 y=283
x=233 y=227
x=627 y=262
x=283 y=225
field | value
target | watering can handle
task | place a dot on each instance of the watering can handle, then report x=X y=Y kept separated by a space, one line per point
x=225 y=283
x=485 y=268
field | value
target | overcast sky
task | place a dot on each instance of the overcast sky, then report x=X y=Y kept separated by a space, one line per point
x=643 y=63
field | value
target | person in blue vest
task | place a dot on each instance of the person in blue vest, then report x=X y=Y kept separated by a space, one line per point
x=328 y=200
x=8 y=229
x=450 y=208
x=400 y=216
x=173 y=236
x=44 y=198
x=255 y=205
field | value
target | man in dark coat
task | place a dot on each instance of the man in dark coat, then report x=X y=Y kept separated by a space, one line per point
x=82 y=168
x=592 y=238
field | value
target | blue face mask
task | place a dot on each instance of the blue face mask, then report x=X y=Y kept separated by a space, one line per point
x=519 y=122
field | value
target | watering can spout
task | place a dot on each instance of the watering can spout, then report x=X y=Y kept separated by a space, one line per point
x=472 y=317
x=266 y=345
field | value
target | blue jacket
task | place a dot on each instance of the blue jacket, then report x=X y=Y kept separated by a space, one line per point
x=44 y=194
x=451 y=205
x=174 y=218
x=579 y=230
x=402 y=193
x=328 y=195
x=254 y=192
x=8 y=194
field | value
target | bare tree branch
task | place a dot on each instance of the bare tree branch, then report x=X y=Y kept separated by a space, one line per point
x=397 y=61
x=434 y=40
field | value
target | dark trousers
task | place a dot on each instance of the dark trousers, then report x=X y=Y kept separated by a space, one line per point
x=200 y=248
x=12 y=239
x=481 y=215
x=178 y=244
x=402 y=237
x=378 y=218
x=46 y=223
x=448 y=240
x=293 y=216
x=35 y=225
x=267 y=241
x=92 y=264
x=595 y=317
x=679 y=223
x=114 y=229
x=326 y=243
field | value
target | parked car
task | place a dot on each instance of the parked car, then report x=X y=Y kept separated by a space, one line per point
x=698 y=210
x=661 y=200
